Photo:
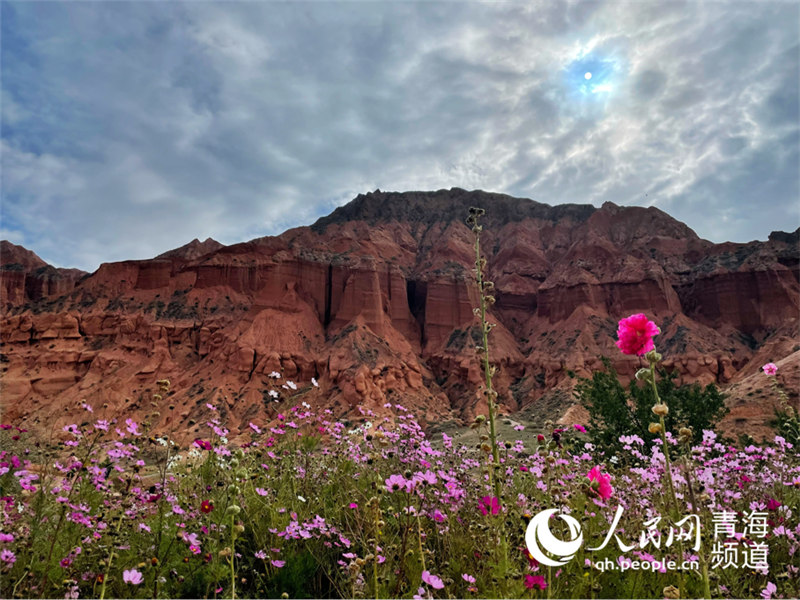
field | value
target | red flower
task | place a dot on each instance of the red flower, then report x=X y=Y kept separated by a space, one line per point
x=636 y=335
x=603 y=485
x=535 y=581
x=489 y=503
x=206 y=506
x=772 y=504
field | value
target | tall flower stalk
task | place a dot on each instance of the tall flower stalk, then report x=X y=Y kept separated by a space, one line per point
x=635 y=337
x=486 y=299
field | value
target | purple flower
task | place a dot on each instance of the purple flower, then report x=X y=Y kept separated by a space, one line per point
x=767 y=592
x=7 y=556
x=580 y=428
x=489 y=504
x=396 y=483
x=132 y=576
x=278 y=563
x=432 y=580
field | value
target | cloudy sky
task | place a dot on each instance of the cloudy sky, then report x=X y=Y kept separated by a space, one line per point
x=131 y=128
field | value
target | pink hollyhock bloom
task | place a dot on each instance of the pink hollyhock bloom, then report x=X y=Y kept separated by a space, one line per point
x=604 y=489
x=535 y=581
x=132 y=576
x=432 y=580
x=580 y=428
x=489 y=503
x=636 y=335
x=770 y=369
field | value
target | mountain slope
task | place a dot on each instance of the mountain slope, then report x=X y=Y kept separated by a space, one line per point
x=375 y=301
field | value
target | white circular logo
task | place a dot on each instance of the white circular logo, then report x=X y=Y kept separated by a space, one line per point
x=539 y=538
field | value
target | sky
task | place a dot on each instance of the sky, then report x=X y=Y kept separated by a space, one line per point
x=131 y=128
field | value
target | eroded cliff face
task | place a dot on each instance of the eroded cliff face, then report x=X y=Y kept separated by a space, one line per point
x=24 y=277
x=376 y=302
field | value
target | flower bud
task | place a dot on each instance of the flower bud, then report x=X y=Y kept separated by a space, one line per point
x=661 y=410
x=234 y=509
x=643 y=374
x=671 y=592
x=653 y=356
x=654 y=428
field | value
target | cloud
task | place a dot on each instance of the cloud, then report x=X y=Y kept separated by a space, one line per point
x=131 y=128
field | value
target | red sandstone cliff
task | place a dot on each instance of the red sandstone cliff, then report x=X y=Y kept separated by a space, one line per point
x=375 y=301
x=24 y=277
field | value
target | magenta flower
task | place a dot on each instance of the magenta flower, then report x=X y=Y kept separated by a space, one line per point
x=432 y=580
x=489 y=504
x=203 y=444
x=8 y=557
x=535 y=581
x=580 y=428
x=636 y=335
x=467 y=578
x=773 y=504
x=603 y=486
x=278 y=564
x=132 y=576
x=770 y=369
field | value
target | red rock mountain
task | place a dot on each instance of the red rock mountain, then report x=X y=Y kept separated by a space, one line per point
x=375 y=301
x=24 y=277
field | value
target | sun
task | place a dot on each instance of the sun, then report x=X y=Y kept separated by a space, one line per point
x=588 y=76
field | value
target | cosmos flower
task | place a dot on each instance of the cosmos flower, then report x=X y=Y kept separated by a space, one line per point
x=132 y=576
x=203 y=444
x=603 y=485
x=396 y=483
x=535 y=581
x=467 y=578
x=636 y=335
x=770 y=369
x=432 y=580
x=8 y=557
x=767 y=592
x=206 y=506
x=580 y=428
x=489 y=503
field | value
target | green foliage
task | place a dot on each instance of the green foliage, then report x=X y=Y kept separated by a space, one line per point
x=615 y=411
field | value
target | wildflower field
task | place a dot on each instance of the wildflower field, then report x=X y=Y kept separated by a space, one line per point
x=310 y=508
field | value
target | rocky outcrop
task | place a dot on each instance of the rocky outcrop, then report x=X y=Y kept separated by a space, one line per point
x=375 y=301
x=26 y=278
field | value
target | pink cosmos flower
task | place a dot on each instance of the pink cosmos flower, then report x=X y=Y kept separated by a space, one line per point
x=580 y=428
x=396 y=483
x=467 y=578
x=8 y=557
x=432 y=580
x=770 y=369
x=489 y=503
x=535 y=581
x=132 y=576
x=767 y=592
x=636 y=335
x=278 y=564
x=604 y=488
